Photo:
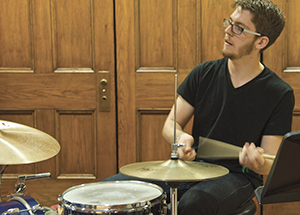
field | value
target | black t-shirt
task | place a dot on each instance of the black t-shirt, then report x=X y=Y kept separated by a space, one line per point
x=263 y=106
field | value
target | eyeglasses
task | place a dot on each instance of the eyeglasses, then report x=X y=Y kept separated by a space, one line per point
x=237 y=29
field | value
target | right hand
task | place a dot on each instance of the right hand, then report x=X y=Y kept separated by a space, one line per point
x=186 y=153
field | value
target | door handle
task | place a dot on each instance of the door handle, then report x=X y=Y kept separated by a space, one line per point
x=104 y=92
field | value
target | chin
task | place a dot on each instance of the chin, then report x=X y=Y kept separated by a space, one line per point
x=227 y=54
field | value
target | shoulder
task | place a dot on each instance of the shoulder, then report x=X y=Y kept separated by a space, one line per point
x=209 y=68
x=274 y=82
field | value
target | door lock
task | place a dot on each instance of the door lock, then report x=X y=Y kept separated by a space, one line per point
x=104 y=92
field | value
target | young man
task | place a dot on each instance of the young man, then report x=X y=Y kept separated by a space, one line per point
x=237 y=100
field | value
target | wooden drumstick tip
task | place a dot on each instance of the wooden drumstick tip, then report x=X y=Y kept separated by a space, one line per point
x=272 y=157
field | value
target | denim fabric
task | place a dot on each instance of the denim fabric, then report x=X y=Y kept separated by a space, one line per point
x=212 y=197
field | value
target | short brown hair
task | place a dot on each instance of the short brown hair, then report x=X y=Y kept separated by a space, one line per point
x=268 y=19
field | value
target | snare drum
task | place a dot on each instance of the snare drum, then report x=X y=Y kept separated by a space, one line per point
x=26 y=205
x=117 y=197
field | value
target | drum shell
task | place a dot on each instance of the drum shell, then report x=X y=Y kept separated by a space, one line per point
x=153 y=205
x=21 y=202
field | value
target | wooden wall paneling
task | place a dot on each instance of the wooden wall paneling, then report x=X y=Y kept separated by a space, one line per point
x=48 y=91
x=125 y=53
x=155 y=89
x=188 y=24
x=212 y=30
x=292 y=31
x=151 y=144
x=76 y=134
x=156 y=41
x=104 y=51
x=155 y=69
x=43 y=52
x=296 y=121
x=282 y=58
x=275 y=56
x=16 y=42
x=73 y=24
x=44 y=122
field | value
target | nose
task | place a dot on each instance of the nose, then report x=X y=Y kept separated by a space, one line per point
x=228 y=30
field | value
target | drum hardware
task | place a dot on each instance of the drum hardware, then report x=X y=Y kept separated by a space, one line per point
x=21 y=204
x=18 y=203
x=15 y=211
x=20 y=186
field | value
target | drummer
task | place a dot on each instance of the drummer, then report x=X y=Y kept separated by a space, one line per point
x=238 y=100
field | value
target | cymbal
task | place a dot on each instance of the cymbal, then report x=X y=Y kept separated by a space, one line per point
x=21 y=144
x=174 y=170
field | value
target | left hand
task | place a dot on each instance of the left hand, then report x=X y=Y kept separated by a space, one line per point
x=251 y=156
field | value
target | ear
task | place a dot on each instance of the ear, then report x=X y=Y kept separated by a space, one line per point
x=261 y=42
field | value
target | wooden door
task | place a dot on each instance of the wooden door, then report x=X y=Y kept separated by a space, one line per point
x=54 y=55
x=283 y=58
x=157 y=39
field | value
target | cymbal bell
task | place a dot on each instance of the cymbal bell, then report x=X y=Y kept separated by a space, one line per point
x=174 y=170
x=21 y=144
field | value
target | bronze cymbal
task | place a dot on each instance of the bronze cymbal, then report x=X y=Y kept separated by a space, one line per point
x=21 y=144
x=174 y=170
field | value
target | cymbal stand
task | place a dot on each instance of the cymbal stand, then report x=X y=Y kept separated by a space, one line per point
x=173 y=193
x=174 y=156
x=1 y=173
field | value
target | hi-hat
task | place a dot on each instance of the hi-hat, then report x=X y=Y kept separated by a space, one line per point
x=21 y=144
x=174 y=170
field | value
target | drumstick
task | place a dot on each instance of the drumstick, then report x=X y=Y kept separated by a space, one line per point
x=209 y=148
x=271 y=157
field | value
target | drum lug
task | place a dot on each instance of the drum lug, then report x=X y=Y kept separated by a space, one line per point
x=164 y=210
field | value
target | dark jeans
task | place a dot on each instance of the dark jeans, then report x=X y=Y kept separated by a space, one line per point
x=216 y=197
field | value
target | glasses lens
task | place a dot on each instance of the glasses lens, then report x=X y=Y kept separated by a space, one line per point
x=234 y=28
x=237 y=29
x=226 y=23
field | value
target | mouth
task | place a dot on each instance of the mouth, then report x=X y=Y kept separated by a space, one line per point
x=228 y=43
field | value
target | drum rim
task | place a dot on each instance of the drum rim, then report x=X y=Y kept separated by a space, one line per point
x=136 y=206
x=25 y=201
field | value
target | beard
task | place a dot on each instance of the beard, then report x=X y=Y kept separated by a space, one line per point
x=241 y=52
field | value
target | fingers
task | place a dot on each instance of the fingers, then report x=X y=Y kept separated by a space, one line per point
x=251 y=156
x=186 y=153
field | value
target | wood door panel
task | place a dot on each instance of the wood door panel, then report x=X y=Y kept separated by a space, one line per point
x=188 y=26
x=76 y=134
x=155 y=89
x=52 y=74
x=150 y=144
x=48 y=91
x=212 y=30
x=73 y=25
x=155 y=33
x=15 y=25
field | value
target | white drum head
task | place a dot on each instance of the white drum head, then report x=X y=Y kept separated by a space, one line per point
x=112 y=193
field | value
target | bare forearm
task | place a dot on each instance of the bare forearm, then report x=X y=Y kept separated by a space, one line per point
x=265 y=168
x=168 y=131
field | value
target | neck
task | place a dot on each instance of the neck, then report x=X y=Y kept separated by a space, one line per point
x=244 y=70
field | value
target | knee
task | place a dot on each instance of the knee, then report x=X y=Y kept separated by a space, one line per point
x=197 y=202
